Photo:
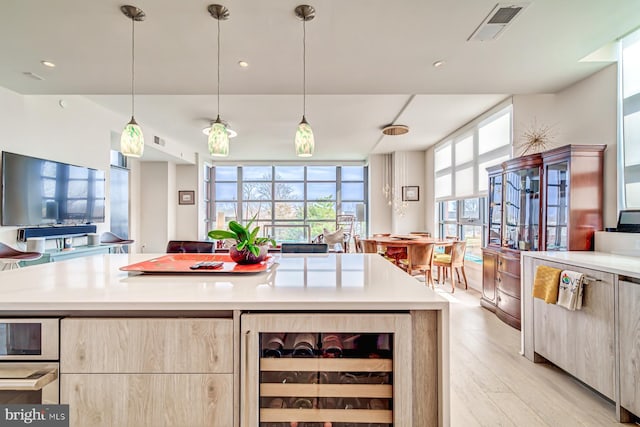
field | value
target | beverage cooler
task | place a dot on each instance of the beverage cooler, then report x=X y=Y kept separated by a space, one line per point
x=326 y=370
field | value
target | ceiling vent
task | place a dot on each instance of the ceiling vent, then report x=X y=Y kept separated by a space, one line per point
x=497 y=21
x=159 y=141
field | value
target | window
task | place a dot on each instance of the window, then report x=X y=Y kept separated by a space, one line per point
x=290 y=203
x=629 y=94
x=461 y=179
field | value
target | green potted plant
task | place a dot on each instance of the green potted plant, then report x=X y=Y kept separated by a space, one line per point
x=249 y=248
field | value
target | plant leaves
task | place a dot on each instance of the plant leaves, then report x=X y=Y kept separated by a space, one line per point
x=222 y=234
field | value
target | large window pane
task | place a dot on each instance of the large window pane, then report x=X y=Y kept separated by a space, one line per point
x=450 y=210
x=229 y=209
x=631 y=69
x=470 y=209
x=353 y=191
x=443 y=186
x=256 y=191
x=289 y=210
x=443 y=157
x=256 y=173
x=258 y=210
x=321 y=173
x=464 y=182
x=321 y=191
x=321 y=210
x=464 y=150
x=226 y=191
x=632 y=138
x=289 y=173
x=352 y=173
x=289 y=191
x=226 y=173
x=494 y=134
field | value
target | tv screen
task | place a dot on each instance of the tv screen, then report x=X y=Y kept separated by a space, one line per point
x=43 y=192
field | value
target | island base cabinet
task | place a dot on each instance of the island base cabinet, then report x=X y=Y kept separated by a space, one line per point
x=629 y=295
x=315 y=369
x=153 y=400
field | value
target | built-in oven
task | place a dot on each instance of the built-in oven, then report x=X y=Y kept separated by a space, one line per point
x=29 y=361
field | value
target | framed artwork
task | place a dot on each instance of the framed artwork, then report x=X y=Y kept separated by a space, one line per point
x=410 y=193
x=187 y=197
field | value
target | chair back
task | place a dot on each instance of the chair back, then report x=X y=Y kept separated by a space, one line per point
x=421 y=256
x=457 y=253
x=369 y=246
x=357 y=243
x=305 y=248
x=189 y=246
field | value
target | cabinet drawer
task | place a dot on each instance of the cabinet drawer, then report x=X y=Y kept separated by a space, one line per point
x=509 y=284
x=139 y=400
x=90 y=345
x=508 y=304
x=509 y=264
x=629 y=295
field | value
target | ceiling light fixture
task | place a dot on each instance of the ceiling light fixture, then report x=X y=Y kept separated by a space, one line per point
x=438 y=64
x=232 y=133
x=132 y=140
x=304 y=141
x=393 y=130
x=48 y=64
x=243 y=64
x=218 y=140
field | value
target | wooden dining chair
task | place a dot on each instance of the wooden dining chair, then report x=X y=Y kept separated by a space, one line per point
x=357 y=243
x=369 y=246
x=453 y=262
x=420 y=259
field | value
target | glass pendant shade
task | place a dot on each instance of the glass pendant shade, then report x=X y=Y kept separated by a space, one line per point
x=218 y=139
x=304 y=139
x=132 y=140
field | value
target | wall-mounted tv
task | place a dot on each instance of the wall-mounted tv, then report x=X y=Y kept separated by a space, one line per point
x=43 y=192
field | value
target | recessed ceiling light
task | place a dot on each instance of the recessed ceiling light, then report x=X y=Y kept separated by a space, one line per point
x=232 y=133
x=48 y=64
x=438 y=64
x=243 y=64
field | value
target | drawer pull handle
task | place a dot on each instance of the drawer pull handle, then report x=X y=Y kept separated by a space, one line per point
x=591 y=279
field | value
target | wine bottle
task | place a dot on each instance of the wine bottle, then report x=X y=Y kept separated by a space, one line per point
x=303 y=345
x=331 y=345
x=273 y=345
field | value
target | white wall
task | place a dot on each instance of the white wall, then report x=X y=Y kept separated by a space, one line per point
x=187 y=215
x=584 y=113
x=430 y=214
x=154 y=206
x=379 y=210
x=409 y=168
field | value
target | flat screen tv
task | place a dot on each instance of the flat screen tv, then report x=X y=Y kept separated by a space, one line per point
x=43 y=192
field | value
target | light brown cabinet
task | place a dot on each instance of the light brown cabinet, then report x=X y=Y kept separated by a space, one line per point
x=549 y=201
x=147 y=372
x=629 y=330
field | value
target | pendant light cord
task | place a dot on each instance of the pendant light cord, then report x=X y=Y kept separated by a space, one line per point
x=218 y=67
x=133 y=61
x=304 y=66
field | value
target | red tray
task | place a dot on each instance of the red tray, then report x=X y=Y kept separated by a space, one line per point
x=180 y=263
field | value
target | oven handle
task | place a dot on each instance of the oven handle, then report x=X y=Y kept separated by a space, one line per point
x=35 y=382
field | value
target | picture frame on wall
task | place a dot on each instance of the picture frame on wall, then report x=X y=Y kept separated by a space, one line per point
x=187 y=197
x=411 y=193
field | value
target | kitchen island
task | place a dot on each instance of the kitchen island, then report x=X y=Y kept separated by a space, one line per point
x=169 y=349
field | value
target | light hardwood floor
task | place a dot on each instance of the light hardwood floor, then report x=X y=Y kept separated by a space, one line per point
x=493 y=385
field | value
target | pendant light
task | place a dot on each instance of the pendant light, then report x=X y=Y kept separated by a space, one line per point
x=304 y=141
x=132 y=140
x=218 y=140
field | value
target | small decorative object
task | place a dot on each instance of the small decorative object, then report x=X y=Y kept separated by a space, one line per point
x=249 y=249
x=187 y=197
x=536 y=138
x=411 y=193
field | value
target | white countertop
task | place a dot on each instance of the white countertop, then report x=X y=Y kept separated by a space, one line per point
x=602 y=261
x=298 y=282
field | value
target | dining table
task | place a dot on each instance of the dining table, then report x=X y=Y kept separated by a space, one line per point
x=396 y=245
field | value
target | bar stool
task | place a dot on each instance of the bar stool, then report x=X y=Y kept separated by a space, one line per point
x=10 y=257
x=113 y=239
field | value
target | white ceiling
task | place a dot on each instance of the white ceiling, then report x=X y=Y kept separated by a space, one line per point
x=366 y=59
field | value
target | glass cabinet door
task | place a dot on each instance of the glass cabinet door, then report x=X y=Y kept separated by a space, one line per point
x=521 y=209
x=324 y=370
x=495 y=210
x=557 y=206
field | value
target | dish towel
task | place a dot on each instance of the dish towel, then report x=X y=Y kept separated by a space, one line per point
x=545 y=284
x=571 y=289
